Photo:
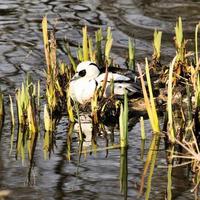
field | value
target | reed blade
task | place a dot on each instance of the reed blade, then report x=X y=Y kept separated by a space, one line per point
x=131 y=53
x=85 y=44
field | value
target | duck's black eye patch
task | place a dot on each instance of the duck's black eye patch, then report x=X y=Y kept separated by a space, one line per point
x=82 y=73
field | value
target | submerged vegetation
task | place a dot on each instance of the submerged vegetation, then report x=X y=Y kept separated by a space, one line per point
x=171 y=93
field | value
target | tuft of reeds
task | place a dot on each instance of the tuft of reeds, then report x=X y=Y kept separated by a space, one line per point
x=179 y=41
x=27 y=119
x=26 y=105
x=149 y=101
x=50 y=55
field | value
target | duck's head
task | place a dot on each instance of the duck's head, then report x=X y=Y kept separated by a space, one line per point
x=86 y=70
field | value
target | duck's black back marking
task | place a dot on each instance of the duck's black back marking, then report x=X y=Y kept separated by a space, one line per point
x=94 y=64
x=82 y=73
x=122 y=71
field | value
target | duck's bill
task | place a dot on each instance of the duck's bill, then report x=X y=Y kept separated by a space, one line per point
x=75 y=77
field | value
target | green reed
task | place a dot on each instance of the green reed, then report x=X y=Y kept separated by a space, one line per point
x=85 y=44
x=149 y=101
x=169 y=102
x=196 y=74
x=179 y=41
x=123 y=122
x=99 y=54
x=108 y=45
x=157 y=44
x=143 y=135
x=131 y=54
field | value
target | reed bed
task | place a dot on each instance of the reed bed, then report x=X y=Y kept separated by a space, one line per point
x=180 y=81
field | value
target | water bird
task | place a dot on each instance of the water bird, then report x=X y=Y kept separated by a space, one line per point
x=89 y=77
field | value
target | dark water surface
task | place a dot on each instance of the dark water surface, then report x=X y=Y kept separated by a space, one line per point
x=21 y=48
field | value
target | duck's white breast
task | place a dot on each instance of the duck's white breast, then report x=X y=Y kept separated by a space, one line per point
x=82 y=90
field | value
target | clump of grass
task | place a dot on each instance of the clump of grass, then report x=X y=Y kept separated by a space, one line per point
x=27 y=118
x=52 y=69
x=26 y=105
x=181 y=68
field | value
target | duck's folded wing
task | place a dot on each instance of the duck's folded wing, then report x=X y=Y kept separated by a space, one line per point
x=121 y=71
x=112 y=76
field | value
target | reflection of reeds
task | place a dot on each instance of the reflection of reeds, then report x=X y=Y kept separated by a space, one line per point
x=1 y=104
x=124 y=171
x=2 y=112
x=192 y=154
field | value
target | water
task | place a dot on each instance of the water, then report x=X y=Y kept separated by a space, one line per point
x=21 y=48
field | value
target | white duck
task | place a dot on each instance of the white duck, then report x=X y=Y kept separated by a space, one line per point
x=89 y=77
